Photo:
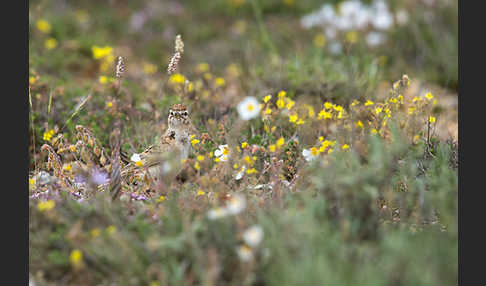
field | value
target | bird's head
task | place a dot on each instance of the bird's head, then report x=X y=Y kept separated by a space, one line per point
x=178 y=115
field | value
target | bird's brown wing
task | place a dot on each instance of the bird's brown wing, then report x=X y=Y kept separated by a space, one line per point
x=156 y=154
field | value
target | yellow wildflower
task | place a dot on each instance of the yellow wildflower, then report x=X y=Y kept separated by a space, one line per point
x=352 y=37
x=345 y=146
x=139 y=163
x=197 y=166
x=45 y=205
x=200 y=158
x=328 y=105
x=67 y=167
x=393 y=100
x=271 y=148
x=203 y=67
x=359 y=124
x=311 y=111
x=411 y=110
x=300 y=122
x=177 y=78
x=149 y=68
x=280 y=103
x=431 y=119
x=378 y=110
x=103 y=79
x=208 y=76
x=429 y=96
x=220 y=81
x=161 y=199
x=95 y=232
x=338 y=108
x=374 y=131
x=268 y=111
x=109 y=104
x=48 y=135
x=76 y=258
x=101 y=52
x=290 y=103
x=324 y=115
x=368 y=103
x=320 y=40
x=43 y=26
x=267 y=98
x=32 y=79
x=50 y=43
x=400 y=98
x=111 y=229
x=200 y=193
x=282 y=94
x=293 y=118
x=195 y=141
x=244 y=145
x=251 y=171
x=280 y=142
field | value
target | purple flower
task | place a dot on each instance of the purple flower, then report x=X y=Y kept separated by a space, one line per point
x=99 y=177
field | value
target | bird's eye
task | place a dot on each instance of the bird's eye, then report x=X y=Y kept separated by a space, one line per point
x=185 y=112
x=172 y=113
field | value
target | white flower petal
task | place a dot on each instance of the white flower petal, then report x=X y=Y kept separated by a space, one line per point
x=253 y=235
x=135 y=157
x=248 y=108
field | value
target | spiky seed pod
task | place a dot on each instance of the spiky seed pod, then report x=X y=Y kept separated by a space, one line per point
x=120 y=68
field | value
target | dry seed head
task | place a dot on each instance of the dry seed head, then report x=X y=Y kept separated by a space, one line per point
x=179 y=44
x=174 y=61
x=120 y=68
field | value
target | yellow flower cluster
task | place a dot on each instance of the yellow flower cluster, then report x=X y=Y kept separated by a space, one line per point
x=331 y=111
x=105 y=54
x=48 y=135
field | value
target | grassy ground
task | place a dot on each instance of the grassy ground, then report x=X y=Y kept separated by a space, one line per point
x=346 y=175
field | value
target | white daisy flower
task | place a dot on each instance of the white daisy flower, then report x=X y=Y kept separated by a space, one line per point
x=309 y=155
x=135 y=158
x=222 y=152
x=244 y=253
x=248 y=108
x=236 y=204
x=375 y=38
x=217 y=213
x=240 y=173
x=253 y=235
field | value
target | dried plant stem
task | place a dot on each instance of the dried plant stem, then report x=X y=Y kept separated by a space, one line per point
x=33 y=129
x=115 y=175
x=76 y=110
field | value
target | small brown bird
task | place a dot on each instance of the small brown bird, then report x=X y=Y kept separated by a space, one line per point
x=174 y=144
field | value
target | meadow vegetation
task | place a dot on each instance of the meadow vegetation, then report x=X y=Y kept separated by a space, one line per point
x=321 y=157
